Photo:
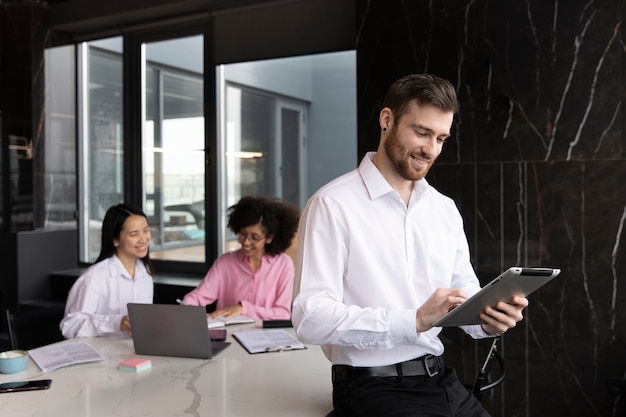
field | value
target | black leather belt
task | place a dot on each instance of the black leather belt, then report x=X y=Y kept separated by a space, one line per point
x=428 y=365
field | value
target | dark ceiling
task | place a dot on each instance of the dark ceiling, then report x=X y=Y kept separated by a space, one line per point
x=79 y=17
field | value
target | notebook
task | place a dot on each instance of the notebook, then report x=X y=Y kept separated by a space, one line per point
x=172 y=330
x=514 y=281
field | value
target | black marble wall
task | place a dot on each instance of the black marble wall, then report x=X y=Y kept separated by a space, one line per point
x=537 y=167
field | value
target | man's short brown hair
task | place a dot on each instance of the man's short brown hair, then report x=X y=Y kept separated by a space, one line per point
x=424 y=89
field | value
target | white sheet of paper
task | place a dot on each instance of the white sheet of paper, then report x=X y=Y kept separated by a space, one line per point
x=56 y=356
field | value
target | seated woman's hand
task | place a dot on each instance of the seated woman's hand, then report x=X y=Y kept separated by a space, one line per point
x=231 y=311
x=125 y=325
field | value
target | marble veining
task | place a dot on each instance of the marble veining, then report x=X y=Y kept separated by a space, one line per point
x=233 y=383
x=614 y=259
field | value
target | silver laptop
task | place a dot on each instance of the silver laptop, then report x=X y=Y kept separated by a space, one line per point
x=172 y=330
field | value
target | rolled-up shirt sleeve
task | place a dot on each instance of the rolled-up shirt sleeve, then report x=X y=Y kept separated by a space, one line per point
x=82 y=318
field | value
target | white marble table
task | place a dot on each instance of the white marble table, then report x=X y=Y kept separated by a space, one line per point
x=232 y=384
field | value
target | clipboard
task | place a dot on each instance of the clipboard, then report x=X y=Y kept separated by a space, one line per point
x=265 y=341
x=514 y=281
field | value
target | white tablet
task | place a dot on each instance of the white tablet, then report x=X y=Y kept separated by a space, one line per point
x=514 y=281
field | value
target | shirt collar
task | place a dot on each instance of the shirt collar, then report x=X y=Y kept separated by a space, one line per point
x=267 y=258
x=116 y=268
x=378 y=186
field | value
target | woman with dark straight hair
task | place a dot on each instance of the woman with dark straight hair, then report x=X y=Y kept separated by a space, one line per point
x=96 y=304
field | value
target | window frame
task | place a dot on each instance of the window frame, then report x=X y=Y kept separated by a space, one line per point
x=133 y=128
x=224 y=43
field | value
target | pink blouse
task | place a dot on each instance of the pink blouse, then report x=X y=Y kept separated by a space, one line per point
x=264 y=295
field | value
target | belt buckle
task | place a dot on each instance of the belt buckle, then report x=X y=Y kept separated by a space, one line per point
x=427 y=368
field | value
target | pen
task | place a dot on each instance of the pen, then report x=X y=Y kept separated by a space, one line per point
x=277 y=348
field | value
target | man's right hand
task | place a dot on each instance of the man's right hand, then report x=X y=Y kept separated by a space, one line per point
x=438 y=305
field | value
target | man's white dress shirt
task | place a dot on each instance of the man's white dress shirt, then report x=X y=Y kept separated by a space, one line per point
x=367 y=262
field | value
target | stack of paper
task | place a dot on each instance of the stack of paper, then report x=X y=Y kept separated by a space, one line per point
x=135 y=365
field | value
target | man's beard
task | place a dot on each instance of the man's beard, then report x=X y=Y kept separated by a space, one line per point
x=401 y=160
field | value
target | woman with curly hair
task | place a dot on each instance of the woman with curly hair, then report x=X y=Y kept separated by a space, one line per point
x=256 y=280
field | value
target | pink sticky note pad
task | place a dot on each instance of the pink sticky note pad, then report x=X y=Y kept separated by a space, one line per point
x=134 y=363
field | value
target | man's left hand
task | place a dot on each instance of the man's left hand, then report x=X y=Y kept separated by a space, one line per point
x=504 y=316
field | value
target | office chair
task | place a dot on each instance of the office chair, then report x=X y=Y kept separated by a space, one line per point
x=35 y=327
x=483 y=373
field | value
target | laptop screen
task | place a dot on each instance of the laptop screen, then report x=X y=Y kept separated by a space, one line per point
x=171 y=330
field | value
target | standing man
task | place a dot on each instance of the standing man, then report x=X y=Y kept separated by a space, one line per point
x=381 y=256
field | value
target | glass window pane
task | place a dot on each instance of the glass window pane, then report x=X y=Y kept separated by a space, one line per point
x=248 y=144
x=287 y=126
x=59 y=173
x=173 y=148
x=101 y=142
x=290 y=165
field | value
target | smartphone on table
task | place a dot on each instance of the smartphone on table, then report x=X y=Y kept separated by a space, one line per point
x=19 y=386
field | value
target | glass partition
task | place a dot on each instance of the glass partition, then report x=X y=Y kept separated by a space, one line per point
x=100 y=105
x=58 y=181
x=284 y=128
x=173 y=148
